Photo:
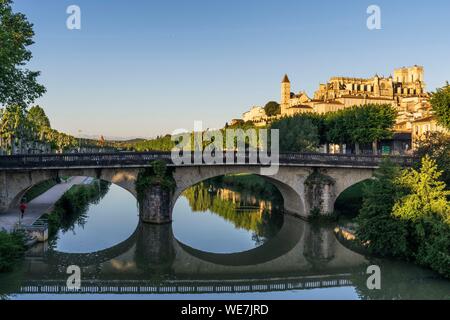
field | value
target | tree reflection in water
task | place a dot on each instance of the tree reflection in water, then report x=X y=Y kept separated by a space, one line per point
x=248 y=201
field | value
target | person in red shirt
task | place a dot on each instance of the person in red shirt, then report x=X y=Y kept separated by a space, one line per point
x=23 y=207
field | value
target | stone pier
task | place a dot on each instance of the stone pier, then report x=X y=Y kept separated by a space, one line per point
x=155 y=206
x=319 y=194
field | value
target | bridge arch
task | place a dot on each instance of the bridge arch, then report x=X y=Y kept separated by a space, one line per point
x=343 y=178
x=17 y=183
x=290 y=183
x=349 y=201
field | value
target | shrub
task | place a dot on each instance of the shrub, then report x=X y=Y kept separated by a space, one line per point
x=157 y=174
x=433 y=239
x=12 y=247
x=382 y=234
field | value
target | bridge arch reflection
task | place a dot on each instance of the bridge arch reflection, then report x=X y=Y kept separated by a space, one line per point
x=153 y=252
x=289 y=184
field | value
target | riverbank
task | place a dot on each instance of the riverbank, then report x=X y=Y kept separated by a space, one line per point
x=56 y=207
x=40 y=205
x=12 y=247
x=71 y=208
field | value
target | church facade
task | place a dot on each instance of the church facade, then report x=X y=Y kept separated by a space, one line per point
x=405 y=90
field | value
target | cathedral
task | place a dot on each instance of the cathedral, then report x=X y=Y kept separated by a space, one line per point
x=404 y=90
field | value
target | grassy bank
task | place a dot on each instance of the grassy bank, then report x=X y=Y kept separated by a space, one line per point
x=38 y=189
x=12 y=247
x=71 y=208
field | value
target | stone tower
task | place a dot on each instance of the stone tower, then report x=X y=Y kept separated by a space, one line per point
x=376 y=86
x=409 y=75
x=409 y=80
x=415 y=73
x=285 y=94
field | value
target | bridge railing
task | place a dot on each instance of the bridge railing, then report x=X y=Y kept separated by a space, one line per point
x=81 y=159
x=124 y=159
x=343 y=159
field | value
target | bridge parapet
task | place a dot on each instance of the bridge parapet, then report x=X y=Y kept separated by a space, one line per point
x=143 y=159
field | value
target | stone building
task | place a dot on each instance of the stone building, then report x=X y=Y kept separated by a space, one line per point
x=292 y=103
x=423 y=126
x=256 y=113
x=405 y=82
x=405 y=90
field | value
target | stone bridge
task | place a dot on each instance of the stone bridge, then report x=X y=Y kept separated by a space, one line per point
x=307 y=182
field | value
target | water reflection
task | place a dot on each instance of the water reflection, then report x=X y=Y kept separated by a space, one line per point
x=296 y=260
x=109 y=220
x=153 y=262
x=226 y=218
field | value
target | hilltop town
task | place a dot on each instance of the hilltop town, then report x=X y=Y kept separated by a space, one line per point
x=405 y=90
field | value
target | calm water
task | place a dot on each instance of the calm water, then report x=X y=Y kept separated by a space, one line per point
x=224 y=242
x=105 y=225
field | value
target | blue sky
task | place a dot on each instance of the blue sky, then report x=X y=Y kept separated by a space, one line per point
x=142 y=68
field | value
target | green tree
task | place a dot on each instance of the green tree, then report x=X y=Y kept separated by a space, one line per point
x=427 y=211
x=36 y=115
x=437 y=146
x=272 y=108
x=382 y=233
x=297 y=134
x=39 y=121
x=14 y=127
x=361 y=125
x=372 y=123
x=432 y=237
x=18 y=85
x=163 y=143
x=337 y=128
x=61 y=141
x=440 y=102
x=427 y=194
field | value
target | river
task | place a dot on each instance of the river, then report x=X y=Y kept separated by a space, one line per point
x=228 y=240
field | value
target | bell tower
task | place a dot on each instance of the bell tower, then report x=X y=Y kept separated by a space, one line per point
x=285 y=94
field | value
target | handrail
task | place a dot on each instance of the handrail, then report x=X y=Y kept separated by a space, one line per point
x=144 y=159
